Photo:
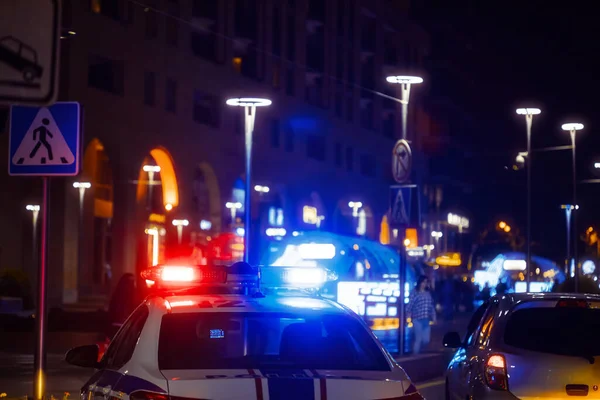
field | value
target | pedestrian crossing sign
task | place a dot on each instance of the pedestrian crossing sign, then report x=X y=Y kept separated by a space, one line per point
x=45 y=141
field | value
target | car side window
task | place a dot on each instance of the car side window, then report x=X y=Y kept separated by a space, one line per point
x=474 y=323
x=487 y=323
x=126 y=340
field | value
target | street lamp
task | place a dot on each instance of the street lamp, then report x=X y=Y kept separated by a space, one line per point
x=572 y=128
x=262 y=189
x=405 y=81
x=233 y=207
x=355 y=206
x=35 y=212
x=568 y=210
x=528 y=113
x=180 y=223
x=151 y=170
x=249 y=105
x=82 y=187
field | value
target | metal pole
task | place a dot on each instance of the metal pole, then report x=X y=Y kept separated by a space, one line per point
x=179 y=234
x=80 y=239
x=34 y=249
x=249 y=116
x=574 y=216
x=401 y=308
x=150 y=185
x=568 y=211
x=39 y=382
x=405 y=88
x=529 y=119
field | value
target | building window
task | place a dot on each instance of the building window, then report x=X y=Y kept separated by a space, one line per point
x=316 y=147
x=338 y=154
x=107 y=75
x=276 y=30
x=368 y=165
x=276 y=79
x=172 y=31
x=151 y=20
x=290 y=81
x=171 y=96
x=275 y=136
x=204 y=45
x=149 y=88
x=109 y=8
x=236 y=62
x=349 y=159
x=289 y=140
x=350 y=103
x=206 y=109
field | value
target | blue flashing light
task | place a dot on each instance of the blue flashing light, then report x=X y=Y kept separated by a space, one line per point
x=240 y=231
x=294 y=277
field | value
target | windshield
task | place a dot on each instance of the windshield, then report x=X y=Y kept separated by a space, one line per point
x=266 y=340
x=565 y=331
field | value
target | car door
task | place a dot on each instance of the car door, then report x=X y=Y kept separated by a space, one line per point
x=456 y=386
x=121 y=349
x=476 y=349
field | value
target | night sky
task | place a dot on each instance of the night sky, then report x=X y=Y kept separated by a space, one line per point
x=525 y=52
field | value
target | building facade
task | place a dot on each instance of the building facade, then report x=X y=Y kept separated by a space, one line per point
x=160 y=144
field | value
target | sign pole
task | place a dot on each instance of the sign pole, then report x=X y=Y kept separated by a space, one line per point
x=39 y=383
x=401 y=305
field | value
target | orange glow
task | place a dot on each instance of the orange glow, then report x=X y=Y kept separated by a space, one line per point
x=412 y=235
x=237 y=63
x=384 y=233
x=167 y=176
x=496 y=361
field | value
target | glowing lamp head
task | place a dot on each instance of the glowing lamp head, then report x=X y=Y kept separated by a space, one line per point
x=529 y=111
x=404 y=79
x=181 y=222
x=248 y=102
x=573 y=126
x=168 y=206
x=82 y=185
x=355 y=204
x=235 y=205
x=262 y=189
x=32 y=207
x=151 y=168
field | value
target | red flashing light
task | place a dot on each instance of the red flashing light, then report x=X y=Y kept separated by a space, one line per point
x=182 y=276
x=572 y=303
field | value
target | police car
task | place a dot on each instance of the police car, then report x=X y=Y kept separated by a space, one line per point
x=241 y=333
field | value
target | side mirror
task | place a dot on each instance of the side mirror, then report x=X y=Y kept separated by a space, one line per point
x=84 y=356
x=452 y=340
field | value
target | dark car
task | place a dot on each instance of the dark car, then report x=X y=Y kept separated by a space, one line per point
x=21 y=57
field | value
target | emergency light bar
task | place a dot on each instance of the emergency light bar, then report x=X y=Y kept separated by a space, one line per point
x=293 y=277
x=174 y=276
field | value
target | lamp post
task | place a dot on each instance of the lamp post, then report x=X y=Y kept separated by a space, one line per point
x=572 y=128
x=249 y=105
x=355 y=206
x=151 y=170
x=405 y=82
x=528 y=113
x=233 y=207
x=568 y=210
x=179 y=224
x=35 y=212
x=82 y=187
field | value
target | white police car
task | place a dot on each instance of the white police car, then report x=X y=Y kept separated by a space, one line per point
x=210 y=334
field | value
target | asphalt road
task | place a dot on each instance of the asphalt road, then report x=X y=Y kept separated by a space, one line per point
x=432 y=390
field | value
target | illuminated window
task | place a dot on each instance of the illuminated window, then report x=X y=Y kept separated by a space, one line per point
x=96 y=6
x=237 y=64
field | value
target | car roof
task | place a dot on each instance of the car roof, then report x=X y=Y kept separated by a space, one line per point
x=520 y=297
x=241 y=303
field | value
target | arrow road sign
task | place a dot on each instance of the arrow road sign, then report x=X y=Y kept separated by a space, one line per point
x=44 y=141
x=29 y=44
x=401 y=161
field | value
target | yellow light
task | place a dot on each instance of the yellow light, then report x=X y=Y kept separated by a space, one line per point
x=406 y=242
x=168 y=206
x=355 y=247
x=237 y=63
x=449 y=260
x=507 y=229
x=502 y=225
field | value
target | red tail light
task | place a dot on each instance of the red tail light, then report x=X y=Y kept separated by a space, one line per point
x=572 y=303
x=144 y=395
x=495 y=372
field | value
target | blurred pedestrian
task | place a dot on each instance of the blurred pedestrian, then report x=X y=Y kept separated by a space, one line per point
x=421 y=310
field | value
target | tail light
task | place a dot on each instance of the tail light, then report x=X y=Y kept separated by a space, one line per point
x=571 y=303
x=145 y=395
x=495 y=372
